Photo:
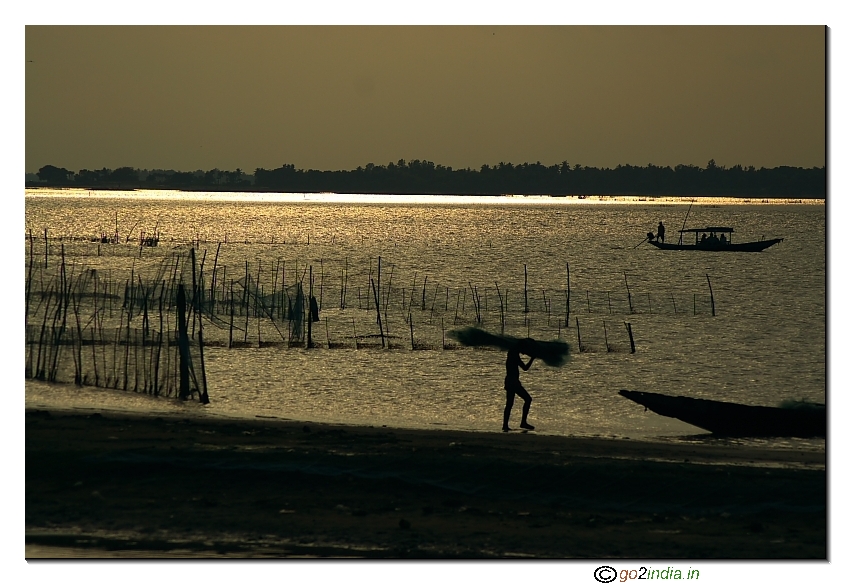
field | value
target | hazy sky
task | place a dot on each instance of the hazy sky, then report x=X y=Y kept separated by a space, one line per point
x=338 y=97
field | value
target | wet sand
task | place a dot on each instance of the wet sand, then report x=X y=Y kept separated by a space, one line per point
x=113 y=484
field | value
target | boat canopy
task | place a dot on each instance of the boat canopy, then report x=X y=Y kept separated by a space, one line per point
x=709 y=230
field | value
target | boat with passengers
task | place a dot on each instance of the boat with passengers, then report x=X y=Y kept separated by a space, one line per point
x=710 y=239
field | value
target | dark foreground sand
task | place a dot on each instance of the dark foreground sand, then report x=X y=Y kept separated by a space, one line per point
x=114 y=485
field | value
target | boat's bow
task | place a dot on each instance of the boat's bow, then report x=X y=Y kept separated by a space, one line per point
x=734 y=419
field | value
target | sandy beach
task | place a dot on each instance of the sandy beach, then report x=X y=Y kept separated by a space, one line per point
x=108 y=484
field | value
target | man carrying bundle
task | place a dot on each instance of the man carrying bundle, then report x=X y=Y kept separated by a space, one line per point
x=512 y=385
x=553 y=353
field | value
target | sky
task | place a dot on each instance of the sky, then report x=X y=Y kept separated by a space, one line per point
x=339 y=97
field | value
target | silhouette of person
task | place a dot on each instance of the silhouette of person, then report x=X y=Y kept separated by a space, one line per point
x=512 y=385
x=660 y=231
x=722 y=239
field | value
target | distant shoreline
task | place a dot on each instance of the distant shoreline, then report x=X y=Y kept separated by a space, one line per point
x=262 y=190
x=421 y=177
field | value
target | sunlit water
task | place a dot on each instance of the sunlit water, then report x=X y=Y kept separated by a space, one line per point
x=765 y=344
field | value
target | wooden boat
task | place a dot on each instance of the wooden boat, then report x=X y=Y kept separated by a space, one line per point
x=711 y=239
x=735 y=420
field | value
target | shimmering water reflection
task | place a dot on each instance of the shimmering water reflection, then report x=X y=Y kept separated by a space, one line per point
x=765 y=344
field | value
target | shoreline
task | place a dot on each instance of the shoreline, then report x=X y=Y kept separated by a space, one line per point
x=65 y=398
x=583 y=197
x=112 y=484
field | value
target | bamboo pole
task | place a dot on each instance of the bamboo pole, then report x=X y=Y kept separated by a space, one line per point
x=28 y=284
x=380 y=327
x=433 y=303
x=94 y=358
x=578 y=332
x=370 y=279
x=525 y=288
x=327 y=332
x=424 y=285
x=501 y=308
x=40 y=364
x=389 y=290
x=156 y=388
x=412 y=291
x=213 y=280
x=443 y=328
x=274 y=287
x=342 y=288
x=344 y=284
x=204 y=396
x=463 y=307
x=78 y=337
x=194 y=303
x=310 y=311
x=62 y=308
x=258 y=307
x=631 y=337
x=605 y=330
x=710 y=291
x=183 y=342
x=230 y=341
x=378 y=294
x=245 y=302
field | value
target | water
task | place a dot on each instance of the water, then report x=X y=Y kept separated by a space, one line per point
x=765 y=344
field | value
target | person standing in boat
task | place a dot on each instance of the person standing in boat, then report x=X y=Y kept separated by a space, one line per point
x=512 y=385
x=660 y=231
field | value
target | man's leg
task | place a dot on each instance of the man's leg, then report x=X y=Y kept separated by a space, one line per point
x=526 y=407
x=509 y=403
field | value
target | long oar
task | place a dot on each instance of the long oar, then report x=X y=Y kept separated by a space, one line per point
x=645 y=239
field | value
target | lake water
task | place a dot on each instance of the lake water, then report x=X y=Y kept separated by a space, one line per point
x=766 y=342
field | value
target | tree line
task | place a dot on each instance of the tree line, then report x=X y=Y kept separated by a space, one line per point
x=424 y=177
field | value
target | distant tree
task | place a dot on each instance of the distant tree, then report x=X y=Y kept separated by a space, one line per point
x=423 y=176
x=124 y=175
x=54 y=175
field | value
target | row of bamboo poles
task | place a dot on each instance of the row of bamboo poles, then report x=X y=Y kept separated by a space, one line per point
x=564 y=301
x=146 y=333
x=78 y=329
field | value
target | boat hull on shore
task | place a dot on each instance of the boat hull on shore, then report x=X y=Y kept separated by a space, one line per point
x=734 y=419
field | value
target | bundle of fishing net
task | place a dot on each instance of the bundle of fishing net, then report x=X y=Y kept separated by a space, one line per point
x=553 y=353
